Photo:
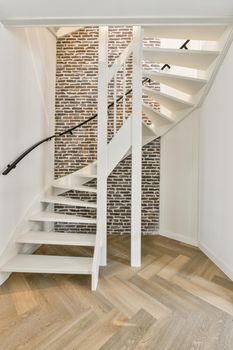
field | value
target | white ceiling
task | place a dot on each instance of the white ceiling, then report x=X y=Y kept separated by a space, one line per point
x=96 y=11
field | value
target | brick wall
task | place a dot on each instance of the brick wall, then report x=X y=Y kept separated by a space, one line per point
x=76 y=101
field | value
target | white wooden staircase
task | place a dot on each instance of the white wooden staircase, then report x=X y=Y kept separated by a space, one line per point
x=182 y=89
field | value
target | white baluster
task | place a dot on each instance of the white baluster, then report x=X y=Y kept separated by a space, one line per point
x=124 y=91
x=100 y=255
x=115 y=104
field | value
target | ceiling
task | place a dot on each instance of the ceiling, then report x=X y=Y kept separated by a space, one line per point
x=60 y=12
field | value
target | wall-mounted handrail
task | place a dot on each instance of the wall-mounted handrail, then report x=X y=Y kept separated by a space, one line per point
x=13 y=165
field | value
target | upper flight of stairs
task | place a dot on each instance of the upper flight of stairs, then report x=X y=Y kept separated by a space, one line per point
x=179 y=94
x=184 y=86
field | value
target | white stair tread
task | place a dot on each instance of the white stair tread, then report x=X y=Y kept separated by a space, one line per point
x=57 y=238
x=151 y=112
x=67 y=201
x=87 y=174
x=73 y=187
x=195 y=32
x=48 y=264
x=197 y=59
x=188 y=85
x=56 y=217
x=169 y=101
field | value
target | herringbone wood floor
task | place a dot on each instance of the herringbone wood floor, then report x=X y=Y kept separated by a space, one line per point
x=178 y=300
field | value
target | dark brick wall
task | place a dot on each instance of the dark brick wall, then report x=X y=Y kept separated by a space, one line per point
x=76 y=100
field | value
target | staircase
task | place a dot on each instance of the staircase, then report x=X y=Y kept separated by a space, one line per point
x=183 y=88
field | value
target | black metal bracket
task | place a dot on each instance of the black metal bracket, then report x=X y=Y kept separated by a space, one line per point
x=184 y=46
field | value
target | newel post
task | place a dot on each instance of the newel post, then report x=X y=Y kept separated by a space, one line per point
x=102 y=158
x=136 y=149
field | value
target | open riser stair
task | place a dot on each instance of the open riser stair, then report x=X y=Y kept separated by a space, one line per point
x=183 y=84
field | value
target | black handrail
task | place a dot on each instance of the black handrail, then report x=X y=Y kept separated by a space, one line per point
x=13 y=165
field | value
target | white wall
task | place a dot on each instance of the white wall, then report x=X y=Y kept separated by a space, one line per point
x=216 y=169
x=179 y=185
x=27 y=92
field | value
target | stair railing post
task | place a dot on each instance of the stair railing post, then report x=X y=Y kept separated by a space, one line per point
x=136 y=149
x=102 y=143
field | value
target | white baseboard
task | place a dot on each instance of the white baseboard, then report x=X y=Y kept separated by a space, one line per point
x=221 y=264
x=211 y=255
x=179 y=237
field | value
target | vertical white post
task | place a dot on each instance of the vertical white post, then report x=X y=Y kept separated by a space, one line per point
x=115 y=104
x=102 y=143
x=100 y=252
x=136 y=149
x=124 y=92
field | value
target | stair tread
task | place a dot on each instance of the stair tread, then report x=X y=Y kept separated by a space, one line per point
x=182 y=52
x=74 y=187
x=198 y=59
x=67 y=201
x=87 y=174
x=163 y=97
x=48 y=264
x=173 y=76
x=166 y=118
x=186 y=84
x=194 y=32
x=57 y=238
x=56 y=217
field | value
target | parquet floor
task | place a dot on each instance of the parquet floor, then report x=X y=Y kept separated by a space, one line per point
x=177 y=300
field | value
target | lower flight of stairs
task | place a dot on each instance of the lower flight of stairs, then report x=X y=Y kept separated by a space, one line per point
x=78 y=182
x=33 y=263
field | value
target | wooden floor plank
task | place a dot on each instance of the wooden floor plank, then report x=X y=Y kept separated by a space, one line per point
x=21 y=293
x=68 y=331
x=169 y=271
x=129 y=298
x=156 y=266
x=224 y=282
x=129 y=335
x=96 y=336
x=177 y=300
x=204 y=294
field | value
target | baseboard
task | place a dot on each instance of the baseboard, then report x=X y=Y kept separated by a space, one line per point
x=221 y=264
x=152 y=233
x=179 y=237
